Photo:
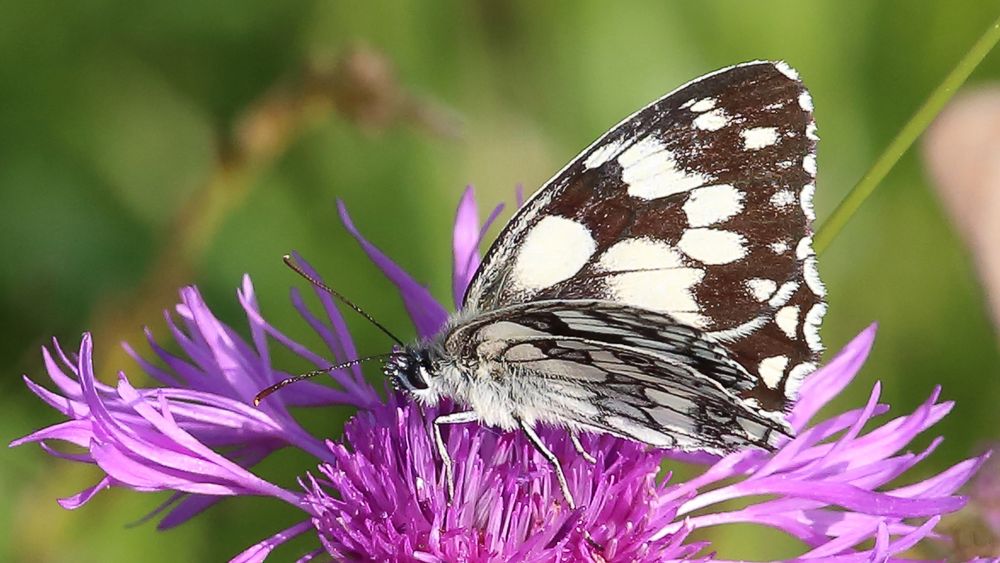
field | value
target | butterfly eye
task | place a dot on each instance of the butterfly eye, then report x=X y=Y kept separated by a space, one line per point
x=416 y=378
x=409 y=371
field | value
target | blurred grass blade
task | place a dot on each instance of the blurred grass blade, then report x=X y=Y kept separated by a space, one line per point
x=906 y=137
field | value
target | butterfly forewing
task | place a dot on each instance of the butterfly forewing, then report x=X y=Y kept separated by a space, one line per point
x=698 y=206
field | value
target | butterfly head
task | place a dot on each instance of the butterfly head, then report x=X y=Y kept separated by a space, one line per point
x=409 y=369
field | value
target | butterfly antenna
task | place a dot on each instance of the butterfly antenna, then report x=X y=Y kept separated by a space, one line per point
x=310 y=374
x=291 y=263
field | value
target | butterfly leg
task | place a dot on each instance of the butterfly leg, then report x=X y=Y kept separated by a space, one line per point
x=579 y=448
x=551 y=458
x=453 y=418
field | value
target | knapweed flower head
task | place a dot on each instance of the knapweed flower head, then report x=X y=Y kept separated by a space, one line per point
x=378 y=492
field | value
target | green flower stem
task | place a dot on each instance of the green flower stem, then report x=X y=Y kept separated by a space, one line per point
x=906 y=137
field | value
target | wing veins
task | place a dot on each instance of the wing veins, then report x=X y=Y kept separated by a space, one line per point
x=599 y=344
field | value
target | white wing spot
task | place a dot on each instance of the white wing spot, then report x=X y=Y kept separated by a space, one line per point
x=665 y=290
x=814 y=318
x=805 y=101
x=712 y=120
x=779 y=247
x=772 y=369
x=703 y=104
x=759 y=137
x=712 y=204
x=782 y=198
x=806 y=200
x=651 y=171
x=804 y=248
x=809 y=164
x=639 y=254
x=784 y=294
x=788 y=71
x=663 y=283
x=554 y=250
x=811 y=133
x=603 y=154
x=761 y=288
x=713 y=246
x=691 y=318
x=787 y=319
x=811 y=273
x=737 y=332
x=795 y=378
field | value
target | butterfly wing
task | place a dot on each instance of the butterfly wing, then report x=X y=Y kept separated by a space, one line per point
x=617 y=369
x=698 y=206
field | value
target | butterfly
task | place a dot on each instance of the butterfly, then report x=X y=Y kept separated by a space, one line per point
x=661 y=288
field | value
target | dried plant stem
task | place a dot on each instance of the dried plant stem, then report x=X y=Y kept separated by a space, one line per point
x=360 y=86
x=191 y=230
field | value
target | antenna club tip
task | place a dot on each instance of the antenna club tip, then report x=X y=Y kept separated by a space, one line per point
x=257 y=400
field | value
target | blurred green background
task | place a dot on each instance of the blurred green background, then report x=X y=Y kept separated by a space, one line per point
x=148 y=145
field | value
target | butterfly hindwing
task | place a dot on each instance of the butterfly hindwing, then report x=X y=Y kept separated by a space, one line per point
x=612 y=368
x=698 y=206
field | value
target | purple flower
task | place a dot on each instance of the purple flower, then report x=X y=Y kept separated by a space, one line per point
x=378 y=492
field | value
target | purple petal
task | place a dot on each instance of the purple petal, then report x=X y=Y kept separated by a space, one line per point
x=214 y=347
x=76 y=432
x=308 y=393
x=161 y=375
x=259 y=551
x=84 y=496
x=62 y=404
x=466 y=239
x=837 y=494
x=849 y=436
x=465 y=244
x=827 y=382
x=339 y=339
x=186 y=509
x=946 y=482
x=427 y=314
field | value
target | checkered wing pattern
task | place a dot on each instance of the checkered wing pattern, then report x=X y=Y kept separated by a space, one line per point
x=698 y=207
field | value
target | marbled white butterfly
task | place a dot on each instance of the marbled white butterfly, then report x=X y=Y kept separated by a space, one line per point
x=662 y=287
